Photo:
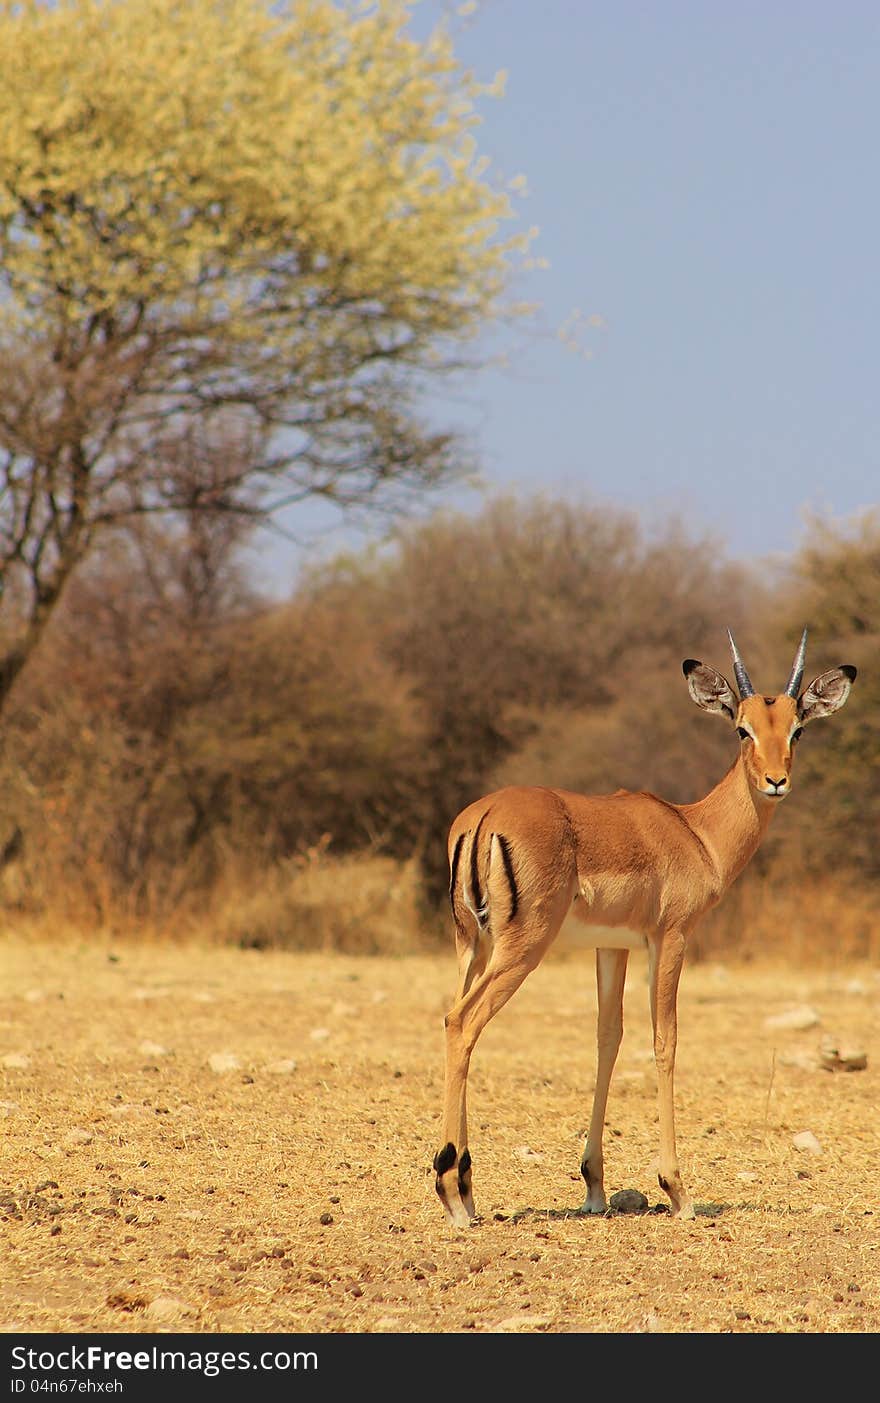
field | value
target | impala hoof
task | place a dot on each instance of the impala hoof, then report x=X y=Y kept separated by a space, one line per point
x=453 y=1185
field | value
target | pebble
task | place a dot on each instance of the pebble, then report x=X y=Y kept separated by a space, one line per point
x=837 y=1057
x=15 y=1059
x=78 y=1136
x=282 y=1068
x=796 y=1019
x=806 y=1140
x=224 y=1062
x=524 y=1152
x=168 y=1310
x=522 y=1322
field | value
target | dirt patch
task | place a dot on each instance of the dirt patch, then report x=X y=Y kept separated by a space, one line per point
x=210 y=1140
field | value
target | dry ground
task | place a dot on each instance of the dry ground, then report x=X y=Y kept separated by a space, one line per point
x=142 y=1191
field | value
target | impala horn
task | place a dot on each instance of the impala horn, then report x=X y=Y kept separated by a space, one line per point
x=793 y=685
x=739 y=668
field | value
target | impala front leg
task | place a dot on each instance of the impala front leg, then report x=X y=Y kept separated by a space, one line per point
x=666 y=955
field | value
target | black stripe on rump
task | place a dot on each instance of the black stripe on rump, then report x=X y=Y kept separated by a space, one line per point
x=511 y=879
x=476 y=894
x=456 y=854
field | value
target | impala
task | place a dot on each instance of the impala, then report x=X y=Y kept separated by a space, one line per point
x=524 y=859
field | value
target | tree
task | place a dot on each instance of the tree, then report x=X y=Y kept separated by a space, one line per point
x=540 y=640
x=835 y=581
x=235 y=240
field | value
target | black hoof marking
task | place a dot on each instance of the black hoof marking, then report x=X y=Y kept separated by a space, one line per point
x=444 y=1159
x=663 y=1183
x=464 y=1172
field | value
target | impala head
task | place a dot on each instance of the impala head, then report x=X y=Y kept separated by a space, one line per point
x=769 y=727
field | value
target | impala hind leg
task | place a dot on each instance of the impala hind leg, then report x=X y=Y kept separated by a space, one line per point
x=507 y=967
x=610 y=979
x=665 y=958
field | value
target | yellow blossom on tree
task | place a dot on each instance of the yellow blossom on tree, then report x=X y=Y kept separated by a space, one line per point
x=235 y=239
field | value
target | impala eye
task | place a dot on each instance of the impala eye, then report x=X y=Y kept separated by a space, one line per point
x=743 y=733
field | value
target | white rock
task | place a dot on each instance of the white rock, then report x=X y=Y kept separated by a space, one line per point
x=319 y=1034
x=151 y=1049
x=167 y=1310
x=126 y=1110
x=15 y=1059
x=654 y=1325
x=282 y=1068
x=806 y=1140
x=795 y=1019
x=526 y=1153
x=78 y=1136
x=522 y=1322
x=805 y=1060
x=223 y=1062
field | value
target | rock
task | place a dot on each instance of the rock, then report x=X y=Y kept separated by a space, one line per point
x=522 y=1322
x=838 y=1057
x=628 y=1201
x=653 y=1325
x=151 y=1049
x=525 y=1153
x=806 y=1140
x=281 y=1068
x=18 y=1060
x=796 y=1019
x=224 y=1062
x=319 y=1034
x=78 y=1136
x=805 y=1060
x=169 y=1310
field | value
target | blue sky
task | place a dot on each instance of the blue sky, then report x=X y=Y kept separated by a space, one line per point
x=704 y=176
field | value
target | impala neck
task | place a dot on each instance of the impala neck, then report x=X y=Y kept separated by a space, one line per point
x=731 y=821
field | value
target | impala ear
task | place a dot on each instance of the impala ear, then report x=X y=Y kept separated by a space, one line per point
x=708 y=688
x=826 y=694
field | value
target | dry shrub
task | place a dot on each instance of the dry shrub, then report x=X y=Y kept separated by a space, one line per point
x=819 y=921
x=360 y=904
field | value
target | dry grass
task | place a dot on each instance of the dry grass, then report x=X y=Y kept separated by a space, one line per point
x=263 y=1199
x=360 y=904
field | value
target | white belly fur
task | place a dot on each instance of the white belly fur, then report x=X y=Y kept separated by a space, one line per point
x=575 y=933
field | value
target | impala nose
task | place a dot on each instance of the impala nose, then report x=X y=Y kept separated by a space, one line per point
x=778 y=784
